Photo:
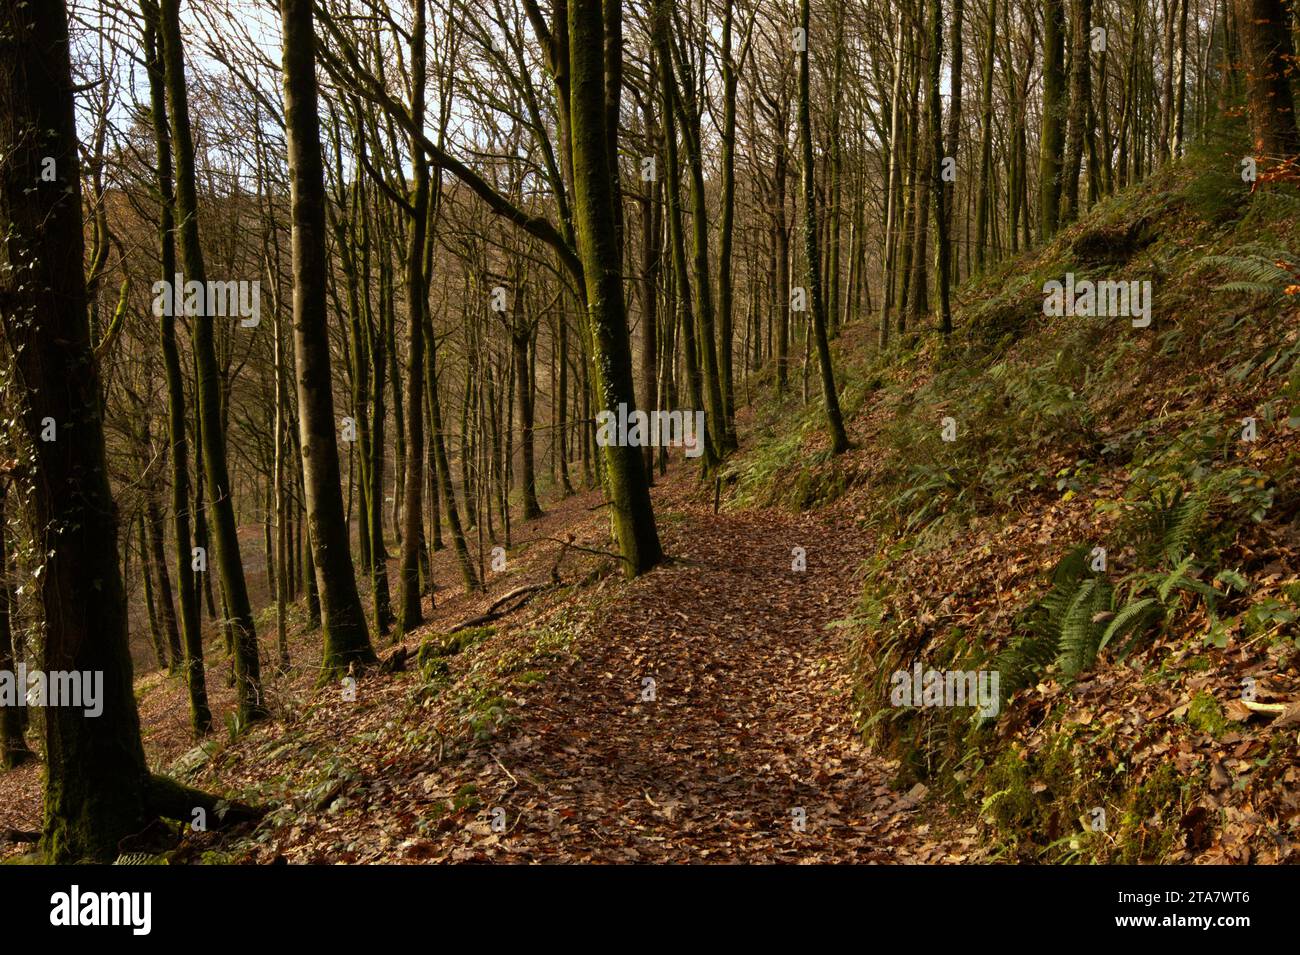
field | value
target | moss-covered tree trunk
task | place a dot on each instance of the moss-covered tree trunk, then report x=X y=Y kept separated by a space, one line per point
x=281 y=494
x=651 y=254
x=146 y=578
x=342 y=618
x=177 y=437
x=984 y=204
x=1052 y=139
x=672 y=192
x=781 y=243
x=1079 y=111
x=1269 y=61
x=834 y=420
x=633 y=516
x=95 y=777
x=521 y=340
x=684 y=97
x=383 y=612
x=377 y=336
x=893 y=187
x=410 y=614
x=441 y=463
x=166 y=606
x=225 y=532
x=836 y=171
x=939 y=195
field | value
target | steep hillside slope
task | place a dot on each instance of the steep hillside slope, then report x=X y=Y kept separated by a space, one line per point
x=1100 y=512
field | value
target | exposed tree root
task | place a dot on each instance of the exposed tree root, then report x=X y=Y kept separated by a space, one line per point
x=172 y=800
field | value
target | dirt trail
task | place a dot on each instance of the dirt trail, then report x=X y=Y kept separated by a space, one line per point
x=748 y=733
x=745 y=753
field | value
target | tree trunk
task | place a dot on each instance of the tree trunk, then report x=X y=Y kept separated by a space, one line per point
x=410 y=613
x=726 y=227
x=834 y=421
x=1268 y=59
x=178 y=439
x=167 y=609
x=984 y=204
x=893 y=186
x=1180 y=79
x=13 y=745
x=1080 y=103
x=632 y=514
x=342 y=617
x=225 y=531
x=1053 y=125
x=151 y=609
x=520 y=339
x=939 y=194
x=651 y=257
x=94 y=792
x=672 y=190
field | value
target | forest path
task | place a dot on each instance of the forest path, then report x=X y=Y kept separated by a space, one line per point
x=746 y=752
x=749 y=730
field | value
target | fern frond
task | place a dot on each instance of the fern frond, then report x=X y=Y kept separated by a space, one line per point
x=1080 y=630
x=1185 y=523
x=1173 y=578
x=1132 y=618
x=1256 y=271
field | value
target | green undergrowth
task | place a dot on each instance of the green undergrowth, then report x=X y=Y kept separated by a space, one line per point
x=464 y=689
x=781 y=470
x=483 y=695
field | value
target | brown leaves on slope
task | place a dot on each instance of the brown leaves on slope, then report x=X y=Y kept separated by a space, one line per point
x=698 y=713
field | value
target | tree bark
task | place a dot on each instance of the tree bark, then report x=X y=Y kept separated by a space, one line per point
x=410 y=613
x=13 y=745
x=1053 y=126
x=225 y=531
x=342 y=618
x=167 y=609
x=94 y=792
x=632 y=513
x=939 y=194
x=178 y=439
x=984 y=204
x=1269 y=56
x=1080 y=103
x=834 y=421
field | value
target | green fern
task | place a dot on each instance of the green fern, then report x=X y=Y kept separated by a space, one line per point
x=1042 y=627
x=1065 y=584
x=1174 y=578
x=1186 y=522
x=1081 y=631
x=1028 y=654
x=1247 y=288
x=1177 y=532
x=1133 y=619
x=1259 y=272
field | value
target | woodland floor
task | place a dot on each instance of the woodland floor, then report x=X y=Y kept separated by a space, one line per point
x=749 y=724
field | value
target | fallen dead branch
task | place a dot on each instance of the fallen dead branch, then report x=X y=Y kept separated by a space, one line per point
x=1264 y=707
x=498 y=608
